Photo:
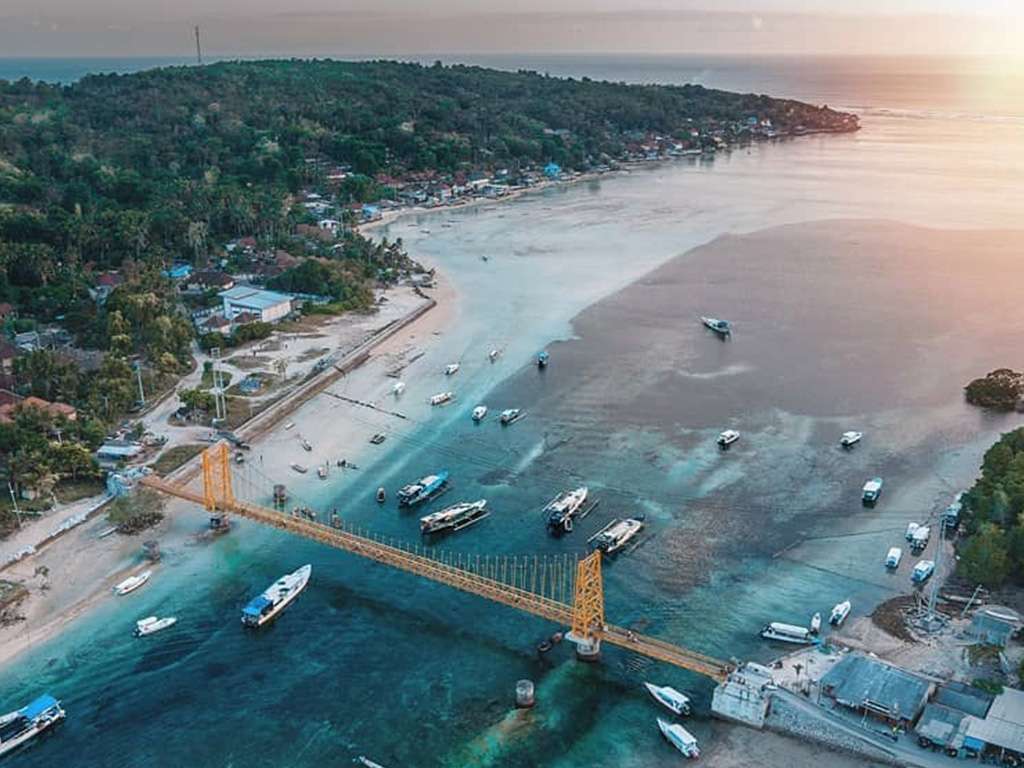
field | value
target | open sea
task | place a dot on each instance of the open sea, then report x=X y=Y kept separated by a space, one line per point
x=871 y=321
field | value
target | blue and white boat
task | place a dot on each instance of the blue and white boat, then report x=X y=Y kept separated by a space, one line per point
x=542 y=359
x=679 y=737
x=670 y=698
x=267 y=605
x=23 y=725
x=422 y=490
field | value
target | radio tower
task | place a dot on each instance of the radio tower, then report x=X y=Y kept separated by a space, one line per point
x=199 y=48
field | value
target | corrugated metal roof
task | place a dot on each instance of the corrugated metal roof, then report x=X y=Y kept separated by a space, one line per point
x=966 y=698
x=253 y=298
x=857 y=679
x=940 y=724
x=1004 y=726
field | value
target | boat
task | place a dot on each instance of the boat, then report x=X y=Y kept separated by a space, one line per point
x=493 y=354
x=617 y=534
x=368 y=762
x=379 y=438
x=289 y=425
x=679 y=737
x=511 y=416
x=151 y=625
x=542 y=359
x=451 y=368
x=268 y=604
x=728 y=437
x=564 y=507
x=132 y=583
x=441 y=398
x=922 y=571
x=454 y=518
x=305 y=445
x=321 y=471
x=718 y=326
x=815 y=623
x=423 y=489
x=670 y=698
x=23 y=725
x=872 y=490
x=381 y=495
x=479 y=412
x=786 y=633
x=398 y=389
x=849 y=438
x=300 y=468
x=839 y=613
x=892 y=560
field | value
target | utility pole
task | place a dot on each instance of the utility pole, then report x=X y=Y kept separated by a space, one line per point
x=199 y=48
x=138 y=375
x=936 y=575
x=218 y=389
x=14 y=501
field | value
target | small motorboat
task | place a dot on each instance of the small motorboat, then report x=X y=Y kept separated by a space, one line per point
x=493 y=355
x=151 y=625
x=850 y=438
x=511 y=416
x=542 y=359
x=614 y=536
x=839 y=613
x=289 y=425
x=679 y=737
x=451 y=368
x=479 y=412
x=321 y=471
x=815 y=623
x=381 y=495
x=379 y=438
x=239 y=457
x=728 y=437
x=365 y=761
x=398 y=389
x=670 y=698
x=441 y=398
x=132 y=583
x=544 y=646
x=300 y=468
x=483 y=258
x=306 y=446
x=718 y=326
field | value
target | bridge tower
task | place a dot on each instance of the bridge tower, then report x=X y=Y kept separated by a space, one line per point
x=588 y=608
x=217 y=490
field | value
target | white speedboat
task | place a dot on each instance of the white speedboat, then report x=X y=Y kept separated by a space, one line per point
x=362 y=760
x=451 y=368
x=321 y=471
x=839 y=613
x=815 y=623
x=564 y=507
x=728 y=437
x=454 y=518
x=716 y=325
x=132 y=583
x=679 y=737
x=617 y=534
x=151 y=625
x=398 y=389
x=479 y=412
x=493 y=355
x=670 y=698
x=23 y=725
x=922 y=571
x=511 y=416
x=441 y=398
x=849 y=438
x=268 y=604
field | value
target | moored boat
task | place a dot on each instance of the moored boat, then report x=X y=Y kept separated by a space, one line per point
x=669 y=698
x=268 y=604
x=132 y=583
x=379 y=438
x=381 y=495
x=727 y=438
x=454 y=518
x=451 y=368
x=617 y=534
x=424 y=489
x=479 y=412
x=398 y=389
x=300 y=468
x=305 y=445
x=362 y=760
x=849 y=438
x=511 y=416
x=493 y=354
x=815 y=623
x=151 y=625
x=564 y=507
x=786 y=633
x=23 y=725
x=716 y=325
x=441 y=398
x=679 y=737
x=839 y=613
x=321 y=471
x=542 y=359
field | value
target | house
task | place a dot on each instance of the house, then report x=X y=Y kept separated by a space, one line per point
x=553 y=171
x=178 y=272
x=210 y=280
x=104 y=285
x=55 y=410
x=329 y=225
x=1001 y=730
x=113 y=452
x=7 y=354
x=244 y=318
x=269 y=306
x=216 y=324
x=7 y=310
x=873 y=688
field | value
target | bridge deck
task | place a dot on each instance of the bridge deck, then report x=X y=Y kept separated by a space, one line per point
x=454 y=576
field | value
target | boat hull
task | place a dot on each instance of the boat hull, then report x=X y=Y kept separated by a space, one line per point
x=296 y=587
x=41 y=725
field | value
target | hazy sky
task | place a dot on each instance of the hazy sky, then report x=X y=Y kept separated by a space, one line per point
x=340 y=27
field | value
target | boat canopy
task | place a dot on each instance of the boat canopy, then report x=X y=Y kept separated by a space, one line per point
x=256 y=605
x=39 y=706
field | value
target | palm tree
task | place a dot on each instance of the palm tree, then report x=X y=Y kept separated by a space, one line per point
x=196 y=235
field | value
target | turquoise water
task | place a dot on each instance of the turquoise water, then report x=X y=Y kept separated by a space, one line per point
x=373 y=662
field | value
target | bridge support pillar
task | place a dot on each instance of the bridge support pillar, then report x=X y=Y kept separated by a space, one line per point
x=587 y=648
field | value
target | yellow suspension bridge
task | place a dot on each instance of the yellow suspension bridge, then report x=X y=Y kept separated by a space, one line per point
x=569 y=593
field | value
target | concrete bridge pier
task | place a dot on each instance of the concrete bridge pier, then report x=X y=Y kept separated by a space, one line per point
x=587 y=648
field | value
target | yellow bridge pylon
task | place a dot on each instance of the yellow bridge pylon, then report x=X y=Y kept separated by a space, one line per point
x=540 y=586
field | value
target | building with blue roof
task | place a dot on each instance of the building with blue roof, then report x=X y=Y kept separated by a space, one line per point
x=268 y=306
x=178 y=272
x=553 y=171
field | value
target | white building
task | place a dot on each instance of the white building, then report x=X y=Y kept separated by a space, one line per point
x=269 y=306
